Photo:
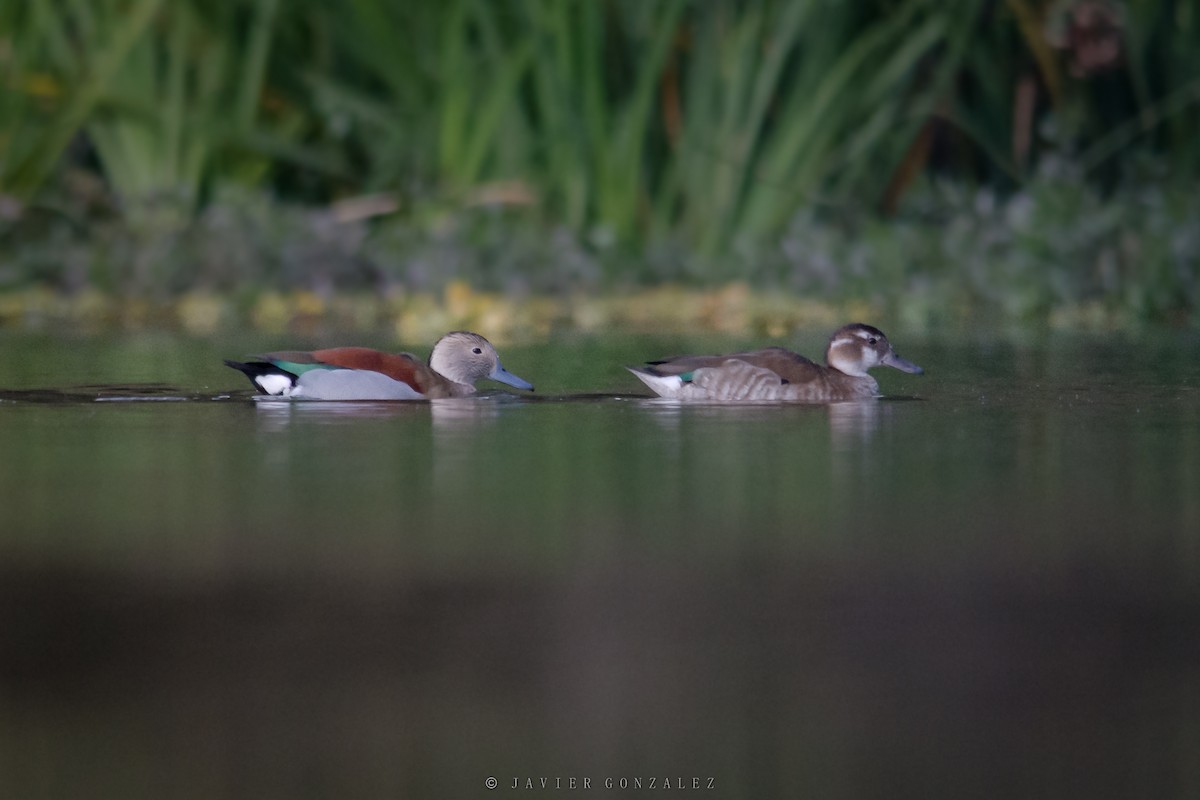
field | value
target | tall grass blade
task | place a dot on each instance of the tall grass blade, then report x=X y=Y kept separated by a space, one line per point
x=95 y=80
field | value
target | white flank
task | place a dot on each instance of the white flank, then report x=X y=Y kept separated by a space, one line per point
x=351 y=384
x=662 y=385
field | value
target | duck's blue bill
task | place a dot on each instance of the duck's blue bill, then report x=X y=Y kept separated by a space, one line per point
x=904 y=365
x=504 y=376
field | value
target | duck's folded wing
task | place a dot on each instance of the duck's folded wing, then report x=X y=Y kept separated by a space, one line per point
x=791 y=367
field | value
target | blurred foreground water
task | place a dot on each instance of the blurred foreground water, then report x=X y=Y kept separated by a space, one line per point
x=987 y=582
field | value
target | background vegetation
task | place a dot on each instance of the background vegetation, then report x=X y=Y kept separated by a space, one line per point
x=1019 y=157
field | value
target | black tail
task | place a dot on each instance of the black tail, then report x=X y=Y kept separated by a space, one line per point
x=257 y=369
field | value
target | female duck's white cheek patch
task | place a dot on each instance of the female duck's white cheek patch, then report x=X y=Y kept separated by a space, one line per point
x=849 y=361
x=274 y=384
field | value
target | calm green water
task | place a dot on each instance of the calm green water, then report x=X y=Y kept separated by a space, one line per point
x=987 y=584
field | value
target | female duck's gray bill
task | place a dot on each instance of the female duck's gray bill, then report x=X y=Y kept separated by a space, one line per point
x=904 y=365
x=504 y=376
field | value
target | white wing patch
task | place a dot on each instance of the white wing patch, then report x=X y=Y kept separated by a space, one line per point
x=274 y=384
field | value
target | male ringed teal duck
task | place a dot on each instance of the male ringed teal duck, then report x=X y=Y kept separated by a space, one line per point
x=458 y=360
x=774 y=374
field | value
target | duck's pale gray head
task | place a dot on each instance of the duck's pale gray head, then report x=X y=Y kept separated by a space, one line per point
x=466 y=357
x=856 y=348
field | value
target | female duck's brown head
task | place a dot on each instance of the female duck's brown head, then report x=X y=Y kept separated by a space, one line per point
x=855 y=348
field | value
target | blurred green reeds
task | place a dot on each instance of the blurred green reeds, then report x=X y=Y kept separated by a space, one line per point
x=676 y=140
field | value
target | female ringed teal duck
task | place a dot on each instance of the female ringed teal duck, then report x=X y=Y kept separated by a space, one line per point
x=458 y=360
x=775 y=374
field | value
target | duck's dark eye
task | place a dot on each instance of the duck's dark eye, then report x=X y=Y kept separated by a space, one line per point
x=872 y=340
x=476 y=350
